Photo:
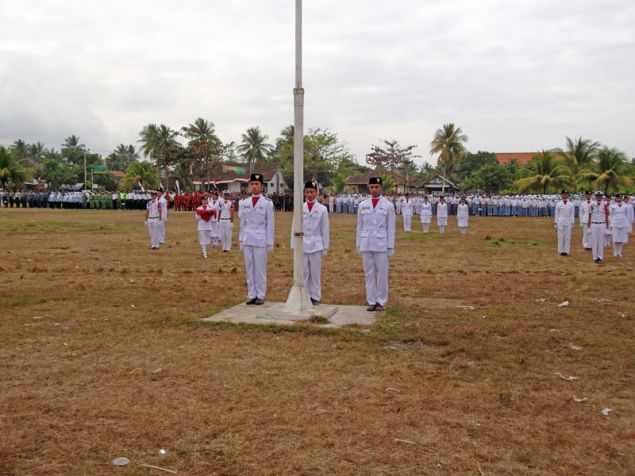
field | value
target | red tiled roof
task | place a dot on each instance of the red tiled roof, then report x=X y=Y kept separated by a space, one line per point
x=521 y=157
x=118 y=174
x=217 y=173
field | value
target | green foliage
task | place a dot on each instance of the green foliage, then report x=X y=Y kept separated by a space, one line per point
x=12 y=169
x=143 y=173
x=254 y=146
x=204 y=147
x=491 y=177
x=543 y=172
x=448 y=142
x=610 y=170
x=122 y=157
x=469 y=163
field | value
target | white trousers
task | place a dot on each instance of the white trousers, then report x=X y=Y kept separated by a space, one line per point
x=407 y=222
x=597 y=240
x=226 y=234
x=426 y=227
x=586 y=237
x=564 y=239
x=376 y=275
x=312 y=274
x=162 y=231
x=256 y=270
x=155 y=232
x=463 y=230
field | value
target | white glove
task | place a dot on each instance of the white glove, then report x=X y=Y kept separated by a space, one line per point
x=145 y=222
x=359 y=251
x=269 y=248
x=391 y=251
x=324 y=252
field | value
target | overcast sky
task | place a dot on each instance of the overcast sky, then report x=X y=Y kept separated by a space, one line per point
x=514 y=75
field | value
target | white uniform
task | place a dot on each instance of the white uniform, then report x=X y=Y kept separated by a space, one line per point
x=586 y=231
x=407 y=209
x=442 y=216
x=619 y=227
x=215 y=205
x=375 y=242
x=426 y=215
x=256 y=240
x=226 y=224
x=204 y=227
x=154 y=222
x=164 y=218
x=598 y=227
x=564 y=219
x=315 y=244
x=463 y=217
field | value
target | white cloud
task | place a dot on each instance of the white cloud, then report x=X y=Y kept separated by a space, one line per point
x=514 y=75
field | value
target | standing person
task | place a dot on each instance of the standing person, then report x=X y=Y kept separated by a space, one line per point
x=316 y=241
x=442 y=214
x=564 y=221
x=630 y=215
x=462 y=215
x=584 y=215
x=331 y=203
x=226 y=222
x=204 y=215
x=153 y=220
x=256 y=238
x=619 y=225
x=407 y=209
x=376 y=243
x=164 y=214
x=608 y=240
x=215 y=203
x=426 y=214
x=598 y=223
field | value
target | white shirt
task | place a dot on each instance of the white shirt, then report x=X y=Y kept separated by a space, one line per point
x=375 y=226
x=316 y=228
x=256 y=222
x=565 y=213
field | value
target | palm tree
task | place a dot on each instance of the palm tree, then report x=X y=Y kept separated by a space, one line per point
x=12 y=169
x=448 y=142
x=122 y=157
x=21 y=149
x=204 y=144
x=610 y=170
x=253 y=146
x=579 y=158
x=544 y=171
x=160 y=144
x=72 y=142
x=143 y=173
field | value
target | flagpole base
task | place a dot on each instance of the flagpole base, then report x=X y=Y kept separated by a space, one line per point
x=298 y=301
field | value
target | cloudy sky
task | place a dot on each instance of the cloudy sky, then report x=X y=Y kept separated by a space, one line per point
x=514 y=75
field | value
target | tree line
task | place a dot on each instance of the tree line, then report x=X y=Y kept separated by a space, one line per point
x=164 y=155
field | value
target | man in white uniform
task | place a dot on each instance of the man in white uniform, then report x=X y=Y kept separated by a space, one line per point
x=584 y=217
x=564 y=221
x=164 y=215
x=407 y=210
x=256 y=238
x=215 y=203
x=226 y=223
x=376 y=242
x=153 y=220
x=619 y=225
x=598 y=222
x=463 y=215
x=204 y=216
x=316 y=241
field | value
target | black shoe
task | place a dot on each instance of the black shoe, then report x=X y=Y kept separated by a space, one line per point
x=379 y=307
x=251 y=301
x=563 y=254
x=259 y=302
x=315 y=302
x=372 y=307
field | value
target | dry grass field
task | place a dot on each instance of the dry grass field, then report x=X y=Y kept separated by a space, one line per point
x=102 y=354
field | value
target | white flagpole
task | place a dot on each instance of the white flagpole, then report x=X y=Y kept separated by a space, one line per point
x=298 y=300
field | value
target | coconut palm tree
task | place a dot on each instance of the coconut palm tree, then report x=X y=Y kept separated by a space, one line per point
x=12 y=169
x=449 y=143
x=122 y=157
x=254 y=146
x=610 y=170
x=21 y=149
x=543 y=171
x=160 y=144
x=203 y=144
x=579 y=157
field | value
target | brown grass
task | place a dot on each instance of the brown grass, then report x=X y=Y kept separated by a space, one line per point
x=102 y=354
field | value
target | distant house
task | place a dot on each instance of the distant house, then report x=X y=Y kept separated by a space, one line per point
x=522 y=158
x=437 y=185
x=234 y=178
x=359 y=183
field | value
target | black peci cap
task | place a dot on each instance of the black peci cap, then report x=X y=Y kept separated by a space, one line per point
x=375 y=181
x=256 y=178
x=564 y=191
x=310 y=185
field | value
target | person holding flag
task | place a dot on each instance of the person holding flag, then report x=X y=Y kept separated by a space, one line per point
x=204 y=216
